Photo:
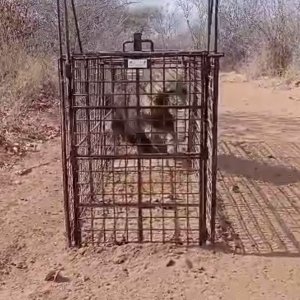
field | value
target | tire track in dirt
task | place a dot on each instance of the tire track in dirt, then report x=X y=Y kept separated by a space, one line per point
x=263 y=195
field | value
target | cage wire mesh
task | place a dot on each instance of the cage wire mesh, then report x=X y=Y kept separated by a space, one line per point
x=158 y=184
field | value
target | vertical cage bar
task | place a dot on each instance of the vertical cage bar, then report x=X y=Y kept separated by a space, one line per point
x=61 y=76
x=88 y=120
x=73 y=156
x=215 y=147
x=139 y=163
x=204 y=151
x=137 y=46
x=201 y=158
x=64 y=152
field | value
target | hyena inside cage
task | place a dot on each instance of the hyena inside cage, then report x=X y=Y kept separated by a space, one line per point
x=140 y=142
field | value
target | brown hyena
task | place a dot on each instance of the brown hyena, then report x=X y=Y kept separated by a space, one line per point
x=159 y=120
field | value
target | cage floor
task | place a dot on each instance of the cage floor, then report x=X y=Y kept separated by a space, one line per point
x=259 y=197
x=168 y=210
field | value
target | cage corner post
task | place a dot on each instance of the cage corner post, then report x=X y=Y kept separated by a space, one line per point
x=69 y=113
x=137 y=47
x=63 y=127
x=216 y=71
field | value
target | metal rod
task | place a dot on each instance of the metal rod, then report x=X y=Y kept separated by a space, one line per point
x=67 y=31
x=137 y=46
x=144 y=54
x=201 y=159
x=64 y=153
x=137 y=41
x=89 y=147
x=63 y=130
x=92 y=107
x=209 y=22
x=77 y=26
x=214 y=149
x=206 y=72
x=141 y=156
x=216 y=26
x=59 y=29
x=74 y=162
x=143 y=205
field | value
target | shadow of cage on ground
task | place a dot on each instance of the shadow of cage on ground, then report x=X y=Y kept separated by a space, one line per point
x=259 y=198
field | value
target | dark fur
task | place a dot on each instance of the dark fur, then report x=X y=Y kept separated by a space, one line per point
x=127 y=125
x=160 y=117
x=125 y=122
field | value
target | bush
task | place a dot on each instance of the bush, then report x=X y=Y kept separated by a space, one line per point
x=25 y=77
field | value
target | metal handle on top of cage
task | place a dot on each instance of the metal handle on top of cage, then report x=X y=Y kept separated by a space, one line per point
x=138 y=43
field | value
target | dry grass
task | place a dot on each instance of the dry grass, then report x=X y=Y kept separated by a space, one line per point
x=28 y=85
x=280 y=68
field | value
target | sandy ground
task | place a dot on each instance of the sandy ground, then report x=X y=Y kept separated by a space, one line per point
x=259 y=193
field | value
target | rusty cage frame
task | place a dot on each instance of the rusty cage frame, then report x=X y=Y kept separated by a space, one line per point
x=113 y=193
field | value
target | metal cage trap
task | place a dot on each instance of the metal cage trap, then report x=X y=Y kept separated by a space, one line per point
x=139 y=141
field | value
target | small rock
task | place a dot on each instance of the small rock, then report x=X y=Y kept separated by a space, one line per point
x=179 y=252
x=51 y=275
x=21 y=266
x=99 y=250
x=170 y=263
x=24 y=172
x=15 y=149
x=56 y=276
x=125 y=270
x=188 y=263
x=120 y=259
x=236 y=189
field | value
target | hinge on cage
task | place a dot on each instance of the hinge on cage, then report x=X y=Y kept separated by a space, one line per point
x=68 y=71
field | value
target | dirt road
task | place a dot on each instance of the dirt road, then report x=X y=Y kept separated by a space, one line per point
x=259 y=190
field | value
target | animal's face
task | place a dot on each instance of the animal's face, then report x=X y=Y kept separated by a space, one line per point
x=178 y=92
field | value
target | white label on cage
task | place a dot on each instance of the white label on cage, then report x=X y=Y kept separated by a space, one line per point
x=137 y=63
